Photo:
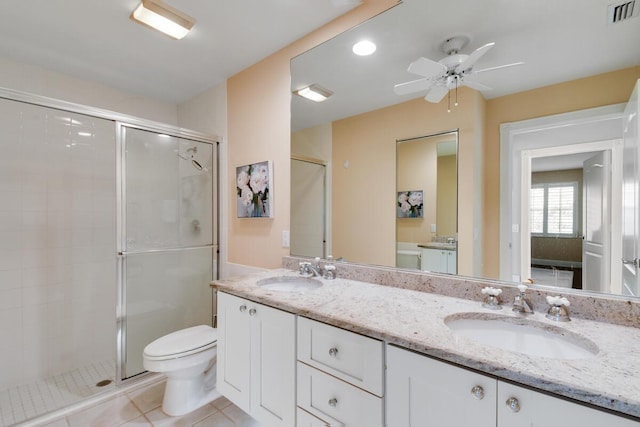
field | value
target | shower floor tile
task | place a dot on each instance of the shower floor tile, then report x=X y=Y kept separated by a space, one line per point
x=28 y=401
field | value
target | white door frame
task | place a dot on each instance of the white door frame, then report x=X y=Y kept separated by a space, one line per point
x=615 y=146
x=577 y=127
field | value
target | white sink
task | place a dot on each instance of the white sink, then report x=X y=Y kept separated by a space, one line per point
x=289 y=284
x=521 y=336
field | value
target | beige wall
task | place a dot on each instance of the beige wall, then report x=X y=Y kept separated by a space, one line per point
x=368 y=142
x=447 y=200
x=590 y=92
x=39 y=81
x=258 y=102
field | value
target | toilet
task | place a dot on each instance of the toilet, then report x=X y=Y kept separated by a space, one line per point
x=188 y=358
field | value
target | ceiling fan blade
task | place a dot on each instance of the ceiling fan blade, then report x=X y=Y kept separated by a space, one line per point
x=436 y=94
x=498 y=67
x=474 y=84
x=412 y=86
x=477 y=54
x=426 y=68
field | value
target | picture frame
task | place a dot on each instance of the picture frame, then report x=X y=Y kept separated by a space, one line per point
x=410 y=204
x=254 y=190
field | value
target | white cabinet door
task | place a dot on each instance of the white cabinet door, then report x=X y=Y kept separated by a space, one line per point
x=425 y=392
x=451 y=262
x=432 y=260
x=234 y=350
x=534 y=409
x=256 y=359
x=273 y=366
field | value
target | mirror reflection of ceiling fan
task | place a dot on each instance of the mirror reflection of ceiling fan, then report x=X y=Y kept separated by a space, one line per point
x=455 y=69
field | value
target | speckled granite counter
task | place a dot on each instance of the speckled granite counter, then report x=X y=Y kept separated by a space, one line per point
x=415 y=320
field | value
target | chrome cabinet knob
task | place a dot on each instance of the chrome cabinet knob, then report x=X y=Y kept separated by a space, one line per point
x=252 y=312
x=333 y=402
x=243 y=308
x=333 y=352
x=513 y=404
x=478 y=392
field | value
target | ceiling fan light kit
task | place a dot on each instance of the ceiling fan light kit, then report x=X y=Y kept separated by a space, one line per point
x=455 y=69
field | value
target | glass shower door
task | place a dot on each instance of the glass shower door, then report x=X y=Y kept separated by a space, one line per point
x=167 y=239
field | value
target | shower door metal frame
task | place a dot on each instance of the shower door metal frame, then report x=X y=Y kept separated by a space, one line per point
x=121 y=222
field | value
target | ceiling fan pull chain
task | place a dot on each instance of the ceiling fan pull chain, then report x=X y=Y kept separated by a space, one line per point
x=448 y=101
x=456 y=104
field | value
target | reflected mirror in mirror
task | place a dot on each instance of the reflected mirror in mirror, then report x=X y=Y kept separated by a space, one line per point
x=426 y=224
x=353 y=133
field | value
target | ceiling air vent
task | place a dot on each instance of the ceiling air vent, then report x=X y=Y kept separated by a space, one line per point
x=622 y=11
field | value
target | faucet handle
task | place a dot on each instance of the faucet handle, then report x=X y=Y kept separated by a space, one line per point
x=492 y=300
x=305 y=269
x=559 y=308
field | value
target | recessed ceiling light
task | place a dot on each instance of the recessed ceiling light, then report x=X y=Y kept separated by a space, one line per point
x=314 y=92
x=364 y=48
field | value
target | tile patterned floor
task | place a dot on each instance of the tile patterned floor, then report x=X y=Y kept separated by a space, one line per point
x=31 y=400
x=141 y=406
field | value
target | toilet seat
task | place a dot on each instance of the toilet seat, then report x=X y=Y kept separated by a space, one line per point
x=182 y=343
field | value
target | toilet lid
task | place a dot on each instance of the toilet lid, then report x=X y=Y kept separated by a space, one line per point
x=185 y=341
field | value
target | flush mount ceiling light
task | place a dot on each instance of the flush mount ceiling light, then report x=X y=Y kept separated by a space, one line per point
x=314 y=92
x=364 y=48
x=164 y=18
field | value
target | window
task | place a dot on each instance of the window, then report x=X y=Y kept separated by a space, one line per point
x=553 y=209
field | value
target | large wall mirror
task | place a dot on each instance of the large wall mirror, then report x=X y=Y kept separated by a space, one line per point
x=529 y=141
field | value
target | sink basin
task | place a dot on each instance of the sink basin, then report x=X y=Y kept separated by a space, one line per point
x=289 y=284
x=521 y=336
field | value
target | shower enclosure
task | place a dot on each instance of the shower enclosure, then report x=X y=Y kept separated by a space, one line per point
x=166 y=239
x=107 y=241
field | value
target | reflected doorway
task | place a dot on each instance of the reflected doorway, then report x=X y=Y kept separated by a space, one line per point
x=308 y=207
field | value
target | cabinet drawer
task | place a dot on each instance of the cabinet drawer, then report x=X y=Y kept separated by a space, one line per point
x=349 y=356
x=337 y=402
x=305 y=419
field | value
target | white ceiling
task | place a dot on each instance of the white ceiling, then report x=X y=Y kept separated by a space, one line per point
x=95 y=40
x=559 y=40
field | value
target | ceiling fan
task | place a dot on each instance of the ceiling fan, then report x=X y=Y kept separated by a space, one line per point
x=455 y=69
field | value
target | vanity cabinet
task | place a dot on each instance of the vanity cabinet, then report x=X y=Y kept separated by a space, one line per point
x=438 y=260
x=522 y=407
x=422 y=391
x=256 y=359
x=427 y=392
x=340 y=376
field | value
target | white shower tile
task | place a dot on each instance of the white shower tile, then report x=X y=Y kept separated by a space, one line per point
x=10 y=179
x=34 y=201
x=34 y=182
x=34 y=277
x=34 y=296
x=11 y=298
x=33 y=238
x=10 y=279
x=34 y=258
x=10 y=319
x=81 y=237
x=10 y=220
x=10 y=240
x=10 y=200
x=9 y=260
x=34 y=220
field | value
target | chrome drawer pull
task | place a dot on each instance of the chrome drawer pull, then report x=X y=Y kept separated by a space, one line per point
x=513 y=404
x=243 y=308
x=333 y=402
x=252 y=312
x=478 y=392
x=333 y=352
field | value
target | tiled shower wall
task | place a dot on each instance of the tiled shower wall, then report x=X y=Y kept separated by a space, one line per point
x=57 y=242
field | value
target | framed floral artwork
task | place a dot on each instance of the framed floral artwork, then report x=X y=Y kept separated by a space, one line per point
x=254 y=189
x=410 y=204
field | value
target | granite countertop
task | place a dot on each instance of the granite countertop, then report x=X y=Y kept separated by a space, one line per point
x=415 y=320
x=438 y=245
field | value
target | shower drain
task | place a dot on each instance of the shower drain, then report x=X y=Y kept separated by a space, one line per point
x=103 y=383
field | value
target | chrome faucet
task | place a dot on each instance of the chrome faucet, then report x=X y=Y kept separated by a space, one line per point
x=521 y=303
x=326 y=271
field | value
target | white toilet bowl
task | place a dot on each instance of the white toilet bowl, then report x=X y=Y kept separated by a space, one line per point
x=187 y=357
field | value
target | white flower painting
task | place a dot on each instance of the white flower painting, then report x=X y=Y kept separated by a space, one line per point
x=410 y=204
x=254 y=192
